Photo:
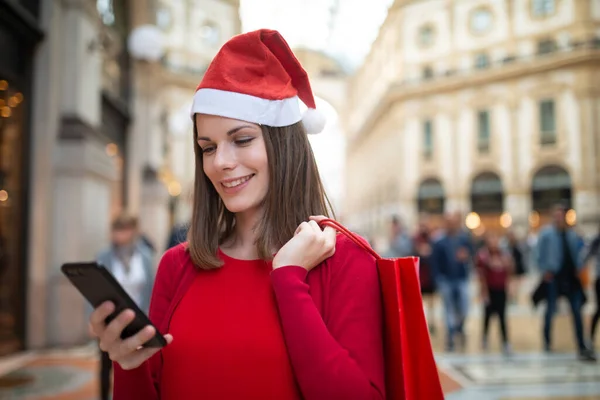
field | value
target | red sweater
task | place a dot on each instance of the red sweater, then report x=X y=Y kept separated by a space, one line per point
x=229 y=341
x=331 y=320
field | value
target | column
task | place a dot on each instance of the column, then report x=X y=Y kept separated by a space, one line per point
x=83 y=173
x=517 y=199
x=44 y=129
x=457 y=188
x=148 y=196
x=586 y=194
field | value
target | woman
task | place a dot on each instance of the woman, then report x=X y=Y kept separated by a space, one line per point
x=261 y=303
x=494 y=268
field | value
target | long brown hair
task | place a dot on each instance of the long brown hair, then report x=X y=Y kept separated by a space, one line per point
x=295 y=193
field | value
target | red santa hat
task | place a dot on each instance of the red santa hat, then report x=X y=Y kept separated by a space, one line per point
x=255 y=77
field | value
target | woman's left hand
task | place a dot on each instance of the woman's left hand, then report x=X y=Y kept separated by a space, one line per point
x=309 y=247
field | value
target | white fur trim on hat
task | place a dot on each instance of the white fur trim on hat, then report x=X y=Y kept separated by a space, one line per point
x=246 y=107
x=314 y=121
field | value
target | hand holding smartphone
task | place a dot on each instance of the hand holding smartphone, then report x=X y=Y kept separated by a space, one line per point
x=121 y=326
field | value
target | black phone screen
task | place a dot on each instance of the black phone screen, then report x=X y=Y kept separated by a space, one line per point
x=98 y=285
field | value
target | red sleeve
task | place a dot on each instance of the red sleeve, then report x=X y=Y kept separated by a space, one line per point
x=342 y=359
x=142 y=382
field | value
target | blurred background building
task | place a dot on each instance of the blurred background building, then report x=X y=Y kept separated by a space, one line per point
x=91 y=97
x=488 y=106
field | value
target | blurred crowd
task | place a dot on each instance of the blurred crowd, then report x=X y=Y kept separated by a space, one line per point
x=451 y=255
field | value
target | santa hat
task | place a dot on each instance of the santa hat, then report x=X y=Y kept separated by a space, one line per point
x=255 y=77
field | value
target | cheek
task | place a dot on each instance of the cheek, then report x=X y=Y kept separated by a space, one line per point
x=208 y=171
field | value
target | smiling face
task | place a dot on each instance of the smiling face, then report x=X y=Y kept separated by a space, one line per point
x=234 y=159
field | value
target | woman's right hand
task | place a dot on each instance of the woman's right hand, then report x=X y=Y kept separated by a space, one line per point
x=126 y=352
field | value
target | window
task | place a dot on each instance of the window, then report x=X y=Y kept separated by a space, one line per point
x=487 y=195
x=481 y=20
x=164 y=19
x=427 y=139
x=543 y=8
x=483 y=131
x=546 y=46
x=430 y=197
x=106 y=11
x=547 y=122
x=482 y=61
x=426 y=36
x=210 y=34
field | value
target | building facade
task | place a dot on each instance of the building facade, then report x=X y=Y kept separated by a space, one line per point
x=82 y=138
x=483 y=106
x=212 y=23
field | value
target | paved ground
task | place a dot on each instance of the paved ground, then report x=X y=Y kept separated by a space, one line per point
x=467 y=375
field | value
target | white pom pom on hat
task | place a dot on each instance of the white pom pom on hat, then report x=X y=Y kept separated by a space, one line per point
x=313 y=120
x=256 y=77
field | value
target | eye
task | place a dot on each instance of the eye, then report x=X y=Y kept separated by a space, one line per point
x=244 y=142
x=208 y=149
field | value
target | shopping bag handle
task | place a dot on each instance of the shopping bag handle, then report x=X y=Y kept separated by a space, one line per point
x=357 y=240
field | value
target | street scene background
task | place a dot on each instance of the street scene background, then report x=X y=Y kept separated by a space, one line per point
x=477 y=119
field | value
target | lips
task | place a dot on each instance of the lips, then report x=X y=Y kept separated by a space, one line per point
x=233 y=183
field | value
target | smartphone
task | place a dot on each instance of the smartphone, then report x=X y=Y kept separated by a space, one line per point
x=98 y=285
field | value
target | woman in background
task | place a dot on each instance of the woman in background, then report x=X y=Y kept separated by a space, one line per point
x=494 y=268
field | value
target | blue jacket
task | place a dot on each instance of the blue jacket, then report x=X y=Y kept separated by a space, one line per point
x=443 y=257
x=550 y=249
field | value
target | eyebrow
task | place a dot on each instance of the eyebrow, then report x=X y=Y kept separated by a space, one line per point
x=229 y=133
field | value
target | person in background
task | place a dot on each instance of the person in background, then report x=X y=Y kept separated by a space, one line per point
x=178 y=235
x=559 y=260
x=494 y=268
x=519 y=271
x=422 y=248
x=400 y=242
x=450 y=261
x=594 y=251
x=129 y=260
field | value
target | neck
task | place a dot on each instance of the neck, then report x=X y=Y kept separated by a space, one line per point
x=243 y=241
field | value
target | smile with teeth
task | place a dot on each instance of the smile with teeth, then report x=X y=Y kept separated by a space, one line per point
x=237 y=182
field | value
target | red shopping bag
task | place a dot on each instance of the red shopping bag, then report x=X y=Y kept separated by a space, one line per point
x=410 y=369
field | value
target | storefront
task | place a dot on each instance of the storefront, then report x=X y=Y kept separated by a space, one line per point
x=19 y=35
x=487 y=201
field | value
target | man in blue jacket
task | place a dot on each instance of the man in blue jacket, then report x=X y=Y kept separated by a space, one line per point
x=559 y=259
x=450 y=261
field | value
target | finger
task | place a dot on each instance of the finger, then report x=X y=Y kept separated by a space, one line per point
x=91 y=331
x=138 y=358
x=99 y=315
x=318 y=218
x=315 y=226
x=169 y=338
x=330 y=240
x=112 y=333
x=133 y=343
x=302 y=227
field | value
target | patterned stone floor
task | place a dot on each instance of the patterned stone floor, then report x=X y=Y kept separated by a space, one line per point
x=467 y=375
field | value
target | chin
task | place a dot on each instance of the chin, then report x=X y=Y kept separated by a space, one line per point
x=241 y=205
x=238 y=206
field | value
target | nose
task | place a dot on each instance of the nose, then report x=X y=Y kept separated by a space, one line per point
x=225 y=157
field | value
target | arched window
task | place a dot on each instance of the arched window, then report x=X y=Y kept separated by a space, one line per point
x=430 y=198
x=550 y=185
x=487 y=196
